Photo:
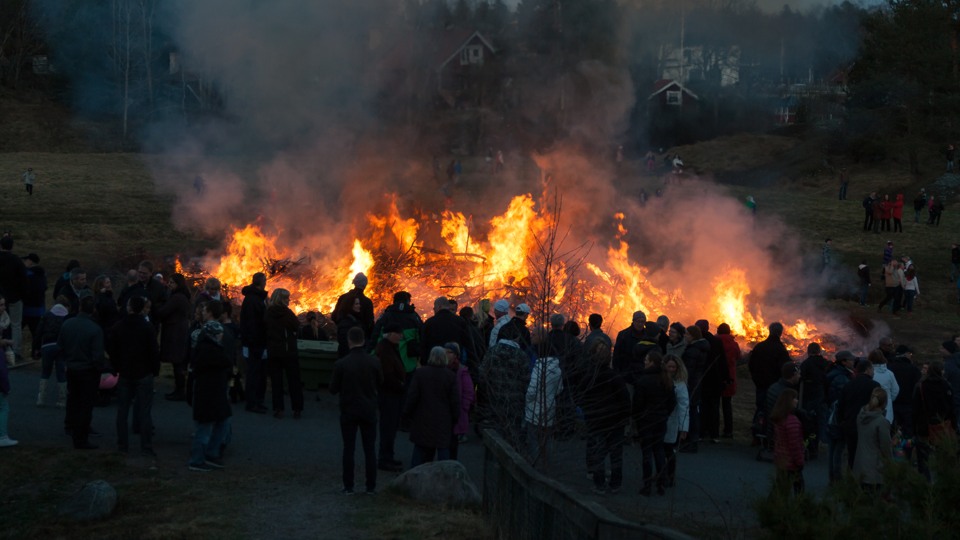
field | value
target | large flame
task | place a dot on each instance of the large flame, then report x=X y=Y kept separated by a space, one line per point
x=507 y=263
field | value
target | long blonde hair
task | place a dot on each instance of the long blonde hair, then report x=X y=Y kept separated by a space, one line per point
x=279 y=297
x=878 y=400
x=681 y=375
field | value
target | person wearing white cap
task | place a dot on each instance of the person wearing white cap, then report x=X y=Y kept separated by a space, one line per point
x=516 y=329
x=501 y=309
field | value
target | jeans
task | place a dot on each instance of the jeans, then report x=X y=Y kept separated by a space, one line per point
x=207 y=438
x=51 y=358
x=82 y=389
x=835 y=448
x=256 y=377
x=653 y=453
x=538 y=443
x=864 y=289
x=4 y=415
x=390 y=408
x=291 y=367
x=909 y=296
x=141 y=391
x=843 y=191
x=599 y=446
x=15 y=310
x=423 y=454
x=897 y=225
x=368 y=437
x=916 y=216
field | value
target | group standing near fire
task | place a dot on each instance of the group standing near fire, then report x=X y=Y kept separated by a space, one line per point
x=662 y=387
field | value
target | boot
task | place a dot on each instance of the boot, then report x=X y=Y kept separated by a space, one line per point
x=62 y=395
x=42 y=393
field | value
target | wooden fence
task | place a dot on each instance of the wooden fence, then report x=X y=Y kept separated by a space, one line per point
x=524 y=504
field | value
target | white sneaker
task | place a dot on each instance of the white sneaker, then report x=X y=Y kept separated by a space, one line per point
x=7 y=441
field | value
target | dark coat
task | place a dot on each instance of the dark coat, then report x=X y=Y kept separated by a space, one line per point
x=854 y=396
x=813 y=379
x=174 y=320
x=282 y=327
x=411 y=325
x=652 y=403
x=569 y=351
x=627 y=339
x=211 y=378
x=34 y=299
x=907 y=376
x=933 y=400
x=106 y=312
x=433 y=406
x=394 y=376
x=605 y=401
x=81 y=343
x=445 y=327
x=731 y=352
x=346 y=322
x=49 y=328
x=253 y=330
x=13 y=277
x=951 y=372
x=344 y=307
x=132 y=343
x=356 y=378
x=715 y=372
x=695 y=360
x=765 y=362
x=152 y=290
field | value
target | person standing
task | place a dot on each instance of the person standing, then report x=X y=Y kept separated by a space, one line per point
x=765 y=362
x=390 y=395
x=5 y=440
x=81 y=343
x=813 y=390
x=731 y=353
x=51 y=361
x=540 y=412
x=933 y=400
x=135 y=356
x=173 y=319
x=897 y=212
x=919 y=202
x=844 y=182
x=854 y=396
x=837 y=378
x=355 y=378
x=282 y=356
x=654 y=400
x=954 y=262
x=253 y=338
x=893 y=286
x=34 y=300
x=936 y=209
x=29 y=177
x=868 y=203
x=788 y=448
x=874 y=447
x=211 y=405
x=911 y=288
x=863 y=274
x=346 y=301
x=14 y=286
x=432 y=405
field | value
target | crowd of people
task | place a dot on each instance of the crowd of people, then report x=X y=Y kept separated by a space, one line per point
x=662 y=387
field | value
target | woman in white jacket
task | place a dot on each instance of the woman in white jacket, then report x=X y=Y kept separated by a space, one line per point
x=679 y=420
x=885 y=379
x=911 y=288
x=540 y=413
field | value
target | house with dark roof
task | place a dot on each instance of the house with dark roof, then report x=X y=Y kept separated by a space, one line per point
x=669 y=93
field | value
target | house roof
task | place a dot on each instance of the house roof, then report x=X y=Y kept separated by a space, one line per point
x=450 y=42
x=669 y=84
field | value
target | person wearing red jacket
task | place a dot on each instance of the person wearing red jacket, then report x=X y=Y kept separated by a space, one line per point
x=788 y=448
x=897 y=211
x=731 y=352
x=886 y=209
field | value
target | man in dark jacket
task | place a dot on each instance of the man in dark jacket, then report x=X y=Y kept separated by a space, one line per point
x=900 y=363
x=627 y=339
x=150 y=288
x=356 y=378
x=135 y=356
x=765 y=362
x=404 y=313
x=649 y=341
x=390 y=395
x=445 y=327
x=253 y=338
x=596 y=333
x=854 y=396
x=868 y=202
x=81 y=344
x=840 y=374
x=606 y=410
x=715 y=377
x=813 y=390
x=34 y=300
x=13 y=287
x=345 y=303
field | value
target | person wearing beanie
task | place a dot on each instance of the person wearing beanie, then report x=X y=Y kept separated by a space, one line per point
x=50 y=358
x=211 y=405
x=345 y=303
x=501 y=315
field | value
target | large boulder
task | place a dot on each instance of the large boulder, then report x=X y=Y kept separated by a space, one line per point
x=446 y=482
x=95 y=500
